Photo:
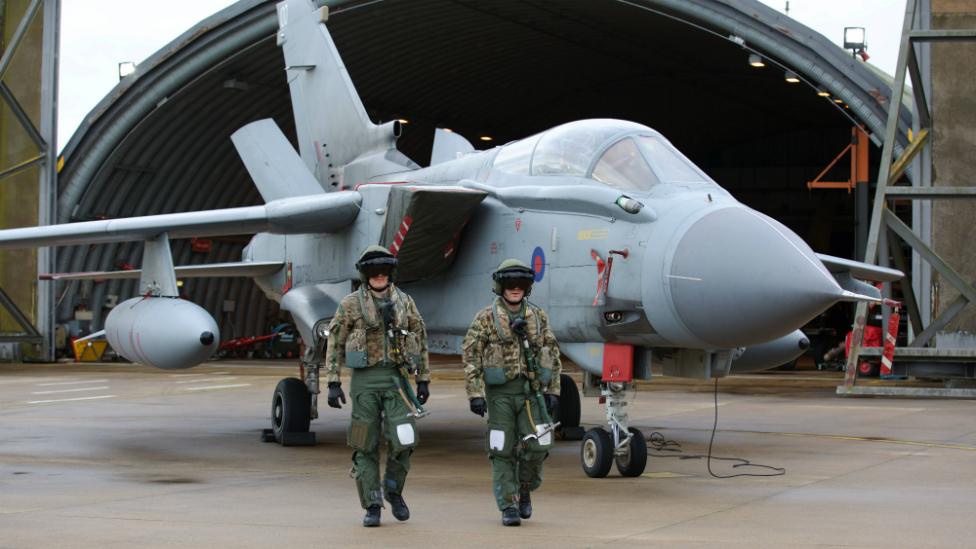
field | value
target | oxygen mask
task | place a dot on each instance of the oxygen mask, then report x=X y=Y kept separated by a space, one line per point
x=519 y=326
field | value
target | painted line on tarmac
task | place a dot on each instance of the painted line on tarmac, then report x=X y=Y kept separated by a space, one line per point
x=218 y=387
x=867 y=407
x=69 y=399
x=184 y=375
x=204 y=380
x=22 y=380
x=75 y=390
x=883 y=440
x=58 y=383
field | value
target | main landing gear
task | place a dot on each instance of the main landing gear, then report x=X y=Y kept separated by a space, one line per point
x=624 y=445
x=293 y=406
x=568 y=414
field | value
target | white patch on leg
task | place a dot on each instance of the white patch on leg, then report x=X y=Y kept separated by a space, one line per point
x=405 y=434
x=496 y=440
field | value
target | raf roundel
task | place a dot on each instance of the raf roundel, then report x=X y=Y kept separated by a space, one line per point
x=538 y=263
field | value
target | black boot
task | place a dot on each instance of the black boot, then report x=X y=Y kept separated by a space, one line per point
x=510 y=517
x=372 y=517
x=400 y=509
x=525 y=502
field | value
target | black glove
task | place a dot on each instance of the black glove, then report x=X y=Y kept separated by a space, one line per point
x=479 y=406
x=336 y=394
x=423 y=391
x=552 y=402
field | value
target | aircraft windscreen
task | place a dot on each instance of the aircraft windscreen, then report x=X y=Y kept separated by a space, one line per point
x=670 y=165
x=516 y=157
x=570 y=149
x=623 y=167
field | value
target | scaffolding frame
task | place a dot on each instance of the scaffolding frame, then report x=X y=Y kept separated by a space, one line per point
x=883 y=220
x=44 y=139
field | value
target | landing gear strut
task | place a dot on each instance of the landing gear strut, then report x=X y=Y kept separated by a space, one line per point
x=624 y=445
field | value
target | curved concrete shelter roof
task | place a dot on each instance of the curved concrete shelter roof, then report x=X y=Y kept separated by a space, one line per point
x=159 y=142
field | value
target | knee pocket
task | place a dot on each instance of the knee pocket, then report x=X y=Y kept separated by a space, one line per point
x=540 y=445
x=362 y=435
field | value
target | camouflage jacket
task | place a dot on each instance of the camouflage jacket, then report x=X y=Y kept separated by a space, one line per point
x=357 y=338
x=493 y=354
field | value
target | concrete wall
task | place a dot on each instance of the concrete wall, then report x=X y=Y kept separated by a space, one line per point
x=19 y=193
x=954 y=153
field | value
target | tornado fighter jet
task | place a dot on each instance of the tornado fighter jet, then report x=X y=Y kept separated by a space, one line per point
x=640 y=258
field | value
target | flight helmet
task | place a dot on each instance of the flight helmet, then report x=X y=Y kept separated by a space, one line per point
x=376 y=260
x=512 y=273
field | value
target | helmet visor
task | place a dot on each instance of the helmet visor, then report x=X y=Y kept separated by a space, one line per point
x=376 y=270
x=386 y=261
x=515 y=279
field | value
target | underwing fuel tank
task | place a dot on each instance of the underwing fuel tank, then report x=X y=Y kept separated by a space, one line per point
x=165 y=332
x=771 y=353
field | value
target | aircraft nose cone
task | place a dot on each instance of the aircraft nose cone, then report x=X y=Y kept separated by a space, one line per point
x=738 y=278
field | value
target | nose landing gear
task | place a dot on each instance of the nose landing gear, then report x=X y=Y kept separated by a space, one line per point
x=624 y=445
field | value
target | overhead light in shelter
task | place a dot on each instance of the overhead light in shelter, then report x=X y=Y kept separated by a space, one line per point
x=236 y=84
x=838 y=100
x=792 y=78
x=403 y=120
x=822 y=92
x=485 y=138
x=756 y=61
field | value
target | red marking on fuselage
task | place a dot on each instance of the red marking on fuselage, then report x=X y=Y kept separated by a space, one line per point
x=401 y=234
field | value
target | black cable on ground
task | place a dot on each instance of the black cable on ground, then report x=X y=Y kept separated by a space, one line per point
x=658 y=443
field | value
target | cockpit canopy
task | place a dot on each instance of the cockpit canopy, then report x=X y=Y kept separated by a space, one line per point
x=621 y=154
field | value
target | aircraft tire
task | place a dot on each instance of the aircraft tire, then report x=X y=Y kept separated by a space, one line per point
x=569 y=402
x=596 y=453
x=291 y=408
x=633 y=464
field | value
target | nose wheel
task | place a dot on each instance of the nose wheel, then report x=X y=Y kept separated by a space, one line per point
x=596 y=453
x=622 y=444
x=632 y=457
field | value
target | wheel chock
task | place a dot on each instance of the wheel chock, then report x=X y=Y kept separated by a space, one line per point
x=570 y=433
x=289 y=439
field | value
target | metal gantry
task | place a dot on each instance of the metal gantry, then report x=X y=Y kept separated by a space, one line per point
x=883 y=220
x=43 y=137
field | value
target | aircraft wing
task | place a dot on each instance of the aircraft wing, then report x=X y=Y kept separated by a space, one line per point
x=235 y=269
x=423 y=227
x=323 y=213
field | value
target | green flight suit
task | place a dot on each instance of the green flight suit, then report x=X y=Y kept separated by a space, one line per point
x=496 y=369
x=357 y=340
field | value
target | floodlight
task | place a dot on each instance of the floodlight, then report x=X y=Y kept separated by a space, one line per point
x=126 y=68
x=854 y=38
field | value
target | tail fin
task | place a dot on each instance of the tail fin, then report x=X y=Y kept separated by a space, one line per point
x=332 y=124
x=448 y=146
